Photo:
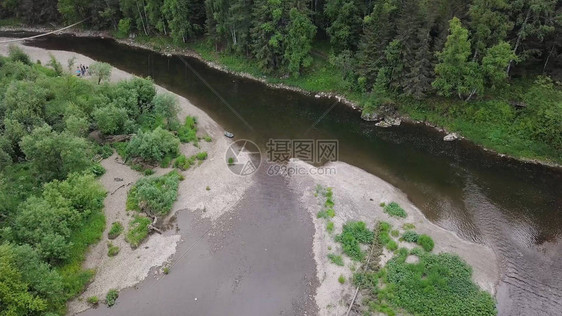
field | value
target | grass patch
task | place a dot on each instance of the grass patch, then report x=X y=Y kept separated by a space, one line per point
x=408 y=226
x=74 y=278
x=115 y=230
x=393 y=209
x=410 y=236
x=121 y=149
x=436 y=285
x=341 y=279
x=111 y=297
x=154 y=195
x=335 y=259
x=138 y=230
x=383 y=233
x=354 y=234
x=201 y=156
x=93 y=300
x=426 y=242
x=112 y=250
x=187 y=133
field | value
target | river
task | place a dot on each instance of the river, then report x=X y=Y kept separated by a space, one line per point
x=513 y=207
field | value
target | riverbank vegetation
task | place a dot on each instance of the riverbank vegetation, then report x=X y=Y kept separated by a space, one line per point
x=51 y=204
x=395 y=276
x=487 y=69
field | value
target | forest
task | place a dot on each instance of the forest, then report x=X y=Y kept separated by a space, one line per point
x=471 y=66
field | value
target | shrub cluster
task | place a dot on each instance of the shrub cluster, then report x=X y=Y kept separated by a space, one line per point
x=153 y=146
x=393 y=209
x=154 y=195
x=436 y=285
x=115 y=231
x=338 y=260
x=354 y=234
x=425 y=242
x=410 y=236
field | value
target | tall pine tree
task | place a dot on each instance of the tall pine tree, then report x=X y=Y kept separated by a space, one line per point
x=456 y=74
x=298 y=44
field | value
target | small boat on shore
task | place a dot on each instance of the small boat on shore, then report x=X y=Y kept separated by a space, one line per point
x=228 y=134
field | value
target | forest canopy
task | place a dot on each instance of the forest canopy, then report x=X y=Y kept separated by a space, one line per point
x=51 y=204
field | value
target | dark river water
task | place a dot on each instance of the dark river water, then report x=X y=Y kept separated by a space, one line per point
x=514 y=208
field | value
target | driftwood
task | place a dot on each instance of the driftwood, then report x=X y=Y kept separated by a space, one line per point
x=153 y=225
x=122 y=186
x=116 y=138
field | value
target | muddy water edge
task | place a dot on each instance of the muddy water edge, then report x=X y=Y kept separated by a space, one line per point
x=513 y=207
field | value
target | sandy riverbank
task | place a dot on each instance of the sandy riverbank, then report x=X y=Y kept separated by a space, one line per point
x=357 y=196
x=130 y=266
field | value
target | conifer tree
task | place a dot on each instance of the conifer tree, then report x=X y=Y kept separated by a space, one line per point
x=489 y=23
x=298 y=44
x=455 y=73
x=268 y=34
x=345 y=21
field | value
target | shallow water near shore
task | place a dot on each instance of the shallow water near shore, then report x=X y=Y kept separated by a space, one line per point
x=514 y=208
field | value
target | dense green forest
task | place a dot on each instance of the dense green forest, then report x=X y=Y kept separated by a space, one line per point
x=51 y=204
x=487 y=68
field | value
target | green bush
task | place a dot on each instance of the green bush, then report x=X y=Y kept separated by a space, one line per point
x=154 y=195
x=138 y=230
x=165 y=105
x=337 y=260
x=153 y=146
x=115 y=231
x=201 y=155
x=353 y=234
x=187 y=133
x=97 y=170
x=392 y=245
x=182 y=163
x=410 y=236
x=17 y=54
x=393 y=209
x=124 y=27
x=100 y=71
x=425 y=242
x=111 y=297
x=112 y=120
x=394 y=233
